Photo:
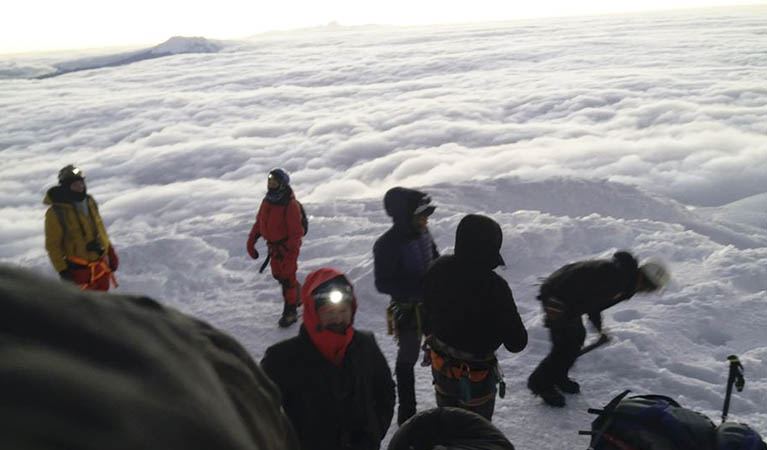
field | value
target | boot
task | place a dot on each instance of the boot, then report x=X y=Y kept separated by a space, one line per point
x=569 y=386
x=405 y=393
x=550 y=395
x=289 y=316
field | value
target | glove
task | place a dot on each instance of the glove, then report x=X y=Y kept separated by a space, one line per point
x=114 y=262
x=66 y=275
x=252 y=251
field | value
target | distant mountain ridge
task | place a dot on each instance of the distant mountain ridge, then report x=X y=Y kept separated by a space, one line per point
x=173 y=46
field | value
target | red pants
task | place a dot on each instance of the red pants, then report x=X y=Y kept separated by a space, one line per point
x=284 y=267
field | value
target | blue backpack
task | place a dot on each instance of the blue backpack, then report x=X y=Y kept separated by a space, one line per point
x=657 y=422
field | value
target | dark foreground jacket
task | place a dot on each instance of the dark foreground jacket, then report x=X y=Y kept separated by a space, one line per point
x=402 y=254
x=469 y=306
x=83 y=370
x=451 y=428
x=590 y=287
x=332 y=407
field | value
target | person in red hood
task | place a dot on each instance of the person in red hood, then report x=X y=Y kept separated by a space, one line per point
x=279 y=222
x=336 y=385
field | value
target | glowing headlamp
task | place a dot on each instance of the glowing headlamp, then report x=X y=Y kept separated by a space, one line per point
x=333 y=292
x=335 y=297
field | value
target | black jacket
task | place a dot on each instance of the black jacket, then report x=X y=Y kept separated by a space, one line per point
x=469 y=306
x=331 y=407
x=402 y=254
x=84 y=370
x=590 y=287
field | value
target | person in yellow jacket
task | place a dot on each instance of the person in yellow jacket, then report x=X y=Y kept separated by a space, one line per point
x=75 y=237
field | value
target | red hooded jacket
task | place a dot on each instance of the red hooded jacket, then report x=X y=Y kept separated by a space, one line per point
x=331 y=345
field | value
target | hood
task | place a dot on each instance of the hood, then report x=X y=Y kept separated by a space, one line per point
x=478 y=239
x=628 y=265
x=313 y=280
x=331 y=345
x=400 y=204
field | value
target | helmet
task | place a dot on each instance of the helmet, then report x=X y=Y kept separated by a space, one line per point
x=656 y=273
x=280 y=175
x=70 y=173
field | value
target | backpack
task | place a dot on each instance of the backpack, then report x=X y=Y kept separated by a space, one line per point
x=738 y=436
x=657 y=422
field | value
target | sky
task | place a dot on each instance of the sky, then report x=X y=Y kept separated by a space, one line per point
x=46 y=25
x=580 y=137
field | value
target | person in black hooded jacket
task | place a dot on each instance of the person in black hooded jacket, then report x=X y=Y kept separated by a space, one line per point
x=402 y=255
x=471 y=312
x=584 y=287
x=335 y=383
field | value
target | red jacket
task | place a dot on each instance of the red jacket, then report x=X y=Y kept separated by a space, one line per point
x=277 y=223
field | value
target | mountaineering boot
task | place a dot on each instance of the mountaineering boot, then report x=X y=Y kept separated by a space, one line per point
x=289 y=316
x=569 y=386
x=550 y=395
x=405 y=393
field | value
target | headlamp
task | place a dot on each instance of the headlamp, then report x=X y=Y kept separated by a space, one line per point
x=333 y=292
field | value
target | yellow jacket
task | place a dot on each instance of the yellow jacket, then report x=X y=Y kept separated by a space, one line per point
x=68 y=232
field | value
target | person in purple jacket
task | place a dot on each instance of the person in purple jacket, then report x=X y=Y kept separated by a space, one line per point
x=402 y=256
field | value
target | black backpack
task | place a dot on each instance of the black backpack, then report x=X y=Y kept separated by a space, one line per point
x=304 y=220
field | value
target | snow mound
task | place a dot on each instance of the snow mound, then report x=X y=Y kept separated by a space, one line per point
x=750 y=211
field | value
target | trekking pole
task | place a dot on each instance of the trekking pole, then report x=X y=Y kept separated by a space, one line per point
x=735 y=377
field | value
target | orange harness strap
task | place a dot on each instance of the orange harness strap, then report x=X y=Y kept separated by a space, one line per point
x=457 y=371
x=98 y=270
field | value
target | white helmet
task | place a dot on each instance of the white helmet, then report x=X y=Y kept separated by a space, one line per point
x=656 y=273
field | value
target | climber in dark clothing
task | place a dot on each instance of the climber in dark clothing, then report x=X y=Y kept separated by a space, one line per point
x=336 y=385
x=584 y=287
x=471 y=312
x=402 y=255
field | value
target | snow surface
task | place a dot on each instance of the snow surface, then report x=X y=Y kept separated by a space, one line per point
x=579 y=136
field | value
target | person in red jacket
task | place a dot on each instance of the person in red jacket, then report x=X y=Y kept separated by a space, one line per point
x=279 y=222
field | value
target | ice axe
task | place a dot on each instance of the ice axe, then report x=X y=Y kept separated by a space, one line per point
x=603 y=339
x=735 y=377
